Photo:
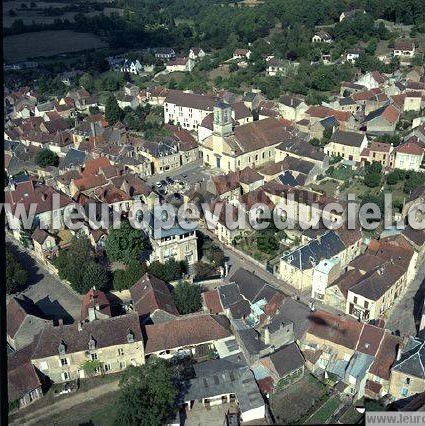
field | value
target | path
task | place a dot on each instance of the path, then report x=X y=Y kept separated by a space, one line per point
x=71 y=401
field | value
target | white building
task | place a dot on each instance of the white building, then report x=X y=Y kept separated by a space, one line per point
x=326 y=271
x=187 y=109
x=180 y=64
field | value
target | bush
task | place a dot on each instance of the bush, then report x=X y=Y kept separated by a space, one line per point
x=171 y=270
x=47 y=158
x=187 y=297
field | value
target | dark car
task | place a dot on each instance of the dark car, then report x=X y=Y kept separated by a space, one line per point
x=169 y=180
x=177 y=196
x=163 y=182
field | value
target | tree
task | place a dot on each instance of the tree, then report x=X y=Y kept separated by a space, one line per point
x=94 y=275
x=125 y=278
x=77 y=265
x=86 y=81
x=187 y=297
x=373 y=176
x=113 y=112
x=266 y=241
x=91 y=367
x=16 y=275
x=126 y=243
x=171 y=270
x=146 y=394
x=213 y=253
x=45 y=158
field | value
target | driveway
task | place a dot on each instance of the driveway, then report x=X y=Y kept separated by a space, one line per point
x=406 y=314
x=46 y=290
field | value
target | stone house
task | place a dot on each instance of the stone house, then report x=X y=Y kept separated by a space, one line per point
x=68 y=352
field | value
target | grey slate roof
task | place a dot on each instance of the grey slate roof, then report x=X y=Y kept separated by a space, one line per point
x=229 y=294
x=73 y=158
x=347 y=138
x=412 y=360
x=309 y=255
x=295 y=312
x=287 y=359
x=221 y=376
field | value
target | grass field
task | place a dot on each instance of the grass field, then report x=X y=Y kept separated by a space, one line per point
x=29 y=15
x=298 y=400
x=325 y=412
x=48 y=43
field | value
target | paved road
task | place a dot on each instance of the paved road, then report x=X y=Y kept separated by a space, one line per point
x=47 y=291
x=407 y=312
x=64 y=404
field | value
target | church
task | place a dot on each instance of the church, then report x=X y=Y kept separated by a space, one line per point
x=234 y=148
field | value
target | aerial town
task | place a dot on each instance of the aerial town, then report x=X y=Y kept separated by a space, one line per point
x=212 y=325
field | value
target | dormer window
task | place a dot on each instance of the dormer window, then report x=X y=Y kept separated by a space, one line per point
x=130 y=336
x=92 y=344
x=62 y=348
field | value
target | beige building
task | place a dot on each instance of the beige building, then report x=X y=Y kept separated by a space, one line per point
x=409 y=156
x=297 y=267
x=348 y=145
x=386 y=268
x=69 y=352
x=175 y=243
x=408 y=373
x=248 y=145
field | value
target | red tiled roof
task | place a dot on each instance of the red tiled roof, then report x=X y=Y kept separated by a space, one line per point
x=92 y=166
x=411 y=148
x=150 y=294
x=386 y=356
x=96 y=299
x=370 y=339
x=323 y=112
x=342 y=331
x=212 y=302
x=187 y=330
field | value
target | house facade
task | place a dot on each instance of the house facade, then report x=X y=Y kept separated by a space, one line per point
x=69 y=352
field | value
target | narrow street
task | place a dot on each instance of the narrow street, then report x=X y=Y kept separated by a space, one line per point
x=54 y=299
x=406 y=314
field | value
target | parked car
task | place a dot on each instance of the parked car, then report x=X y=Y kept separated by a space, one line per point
x=169 y=180
x=164 y=182
x=158 y=185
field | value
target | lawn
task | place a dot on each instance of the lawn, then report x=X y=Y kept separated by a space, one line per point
x=21 y=47
x=297 y=401
x=352 y=416
x=325 y=412
x=328 y=186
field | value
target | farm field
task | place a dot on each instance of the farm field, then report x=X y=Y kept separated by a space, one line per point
x=13 y=10
x=21 y=47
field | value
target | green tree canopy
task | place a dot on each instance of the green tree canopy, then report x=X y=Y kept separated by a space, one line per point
x=146 y=394
x=77 y=265
x=45 y=157
x=125 y=243
x=113 y=112
x=125 y=278
x=16 y=274
x=171 y=270
x=187 y=297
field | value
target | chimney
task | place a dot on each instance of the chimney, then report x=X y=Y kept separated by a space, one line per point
x=44 y=196
x=267 y=336
x=80 y=326
x=92 y=313
x=398 y=352
x=60 y=321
